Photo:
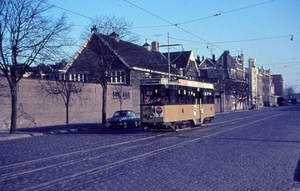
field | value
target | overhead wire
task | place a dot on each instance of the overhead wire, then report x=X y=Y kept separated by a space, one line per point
x=203 y=41
x=187 y=22
x=177 y=24
x=172 y=24
x=226 y=12
x=192 y=34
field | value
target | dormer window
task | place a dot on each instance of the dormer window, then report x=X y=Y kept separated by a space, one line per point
x=117 y=77
x=147 y=46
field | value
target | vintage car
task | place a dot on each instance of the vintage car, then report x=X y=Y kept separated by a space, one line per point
x=123 y=118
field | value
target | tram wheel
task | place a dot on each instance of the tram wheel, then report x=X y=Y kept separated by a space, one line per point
x=188 y=124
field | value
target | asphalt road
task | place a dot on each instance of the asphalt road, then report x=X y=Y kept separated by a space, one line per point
x=248 y=150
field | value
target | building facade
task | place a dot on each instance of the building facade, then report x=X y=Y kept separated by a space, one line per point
x=277 y=80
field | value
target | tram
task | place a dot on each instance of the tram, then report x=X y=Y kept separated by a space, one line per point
x=175 y=104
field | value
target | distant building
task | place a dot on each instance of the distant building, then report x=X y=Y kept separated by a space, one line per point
x=277 y=80
x=228 y=75
x=267 y=87
x=185 y=63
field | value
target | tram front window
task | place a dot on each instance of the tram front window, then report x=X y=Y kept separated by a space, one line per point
x=152 y=95
x=156 y=96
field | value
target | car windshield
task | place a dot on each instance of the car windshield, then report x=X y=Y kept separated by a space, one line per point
x=120 y=113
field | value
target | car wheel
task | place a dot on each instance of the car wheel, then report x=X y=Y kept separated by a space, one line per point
x=125 y=125
x=110 y=126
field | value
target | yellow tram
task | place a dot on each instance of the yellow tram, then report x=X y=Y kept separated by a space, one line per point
x=175 y=104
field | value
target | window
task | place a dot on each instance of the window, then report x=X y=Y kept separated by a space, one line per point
x=155 y=94
x=207 y=96
x=131 y=114
x=118 y=95
x=126 y=95
x=117 y=77
x=173 y=92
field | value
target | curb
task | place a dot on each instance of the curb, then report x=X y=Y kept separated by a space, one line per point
x=5 y=134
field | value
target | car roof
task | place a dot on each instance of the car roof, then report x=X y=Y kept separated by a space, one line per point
x=124 y=111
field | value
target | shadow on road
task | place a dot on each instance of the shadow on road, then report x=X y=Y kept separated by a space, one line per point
x=82 y=128
x=289 y=108
x=297 y=172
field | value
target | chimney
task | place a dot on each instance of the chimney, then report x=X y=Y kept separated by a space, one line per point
x=198 y=61
x=155 y=46
x=214 y=58
x=114 y=36
x=94 y=29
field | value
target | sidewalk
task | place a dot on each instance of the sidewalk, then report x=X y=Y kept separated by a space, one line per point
x=5 y=135
x=242 y=110
x=39 y=131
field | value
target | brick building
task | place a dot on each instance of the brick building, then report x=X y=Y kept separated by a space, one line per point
x=277 y=80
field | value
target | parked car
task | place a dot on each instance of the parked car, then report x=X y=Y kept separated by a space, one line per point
x=123 y=118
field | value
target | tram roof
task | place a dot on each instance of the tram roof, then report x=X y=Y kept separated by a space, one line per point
x=180 y=82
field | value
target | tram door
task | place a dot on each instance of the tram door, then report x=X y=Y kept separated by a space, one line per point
x=199 y=105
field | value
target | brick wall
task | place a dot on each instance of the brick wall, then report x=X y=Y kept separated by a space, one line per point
x=38 y=109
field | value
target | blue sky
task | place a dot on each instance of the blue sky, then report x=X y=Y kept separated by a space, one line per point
x=261 y=29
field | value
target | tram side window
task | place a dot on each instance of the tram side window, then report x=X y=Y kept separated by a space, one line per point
x=190 y=97
x=173 y=91
x=166 y=96
x=207 y=96
x=144 y=97
x=182 y=95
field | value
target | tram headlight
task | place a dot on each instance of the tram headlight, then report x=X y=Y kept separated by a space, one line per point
x=151 y=115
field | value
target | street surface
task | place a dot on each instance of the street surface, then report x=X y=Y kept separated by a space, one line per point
x=245 y=150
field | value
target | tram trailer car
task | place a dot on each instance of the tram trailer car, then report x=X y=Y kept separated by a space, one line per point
x=175 y=104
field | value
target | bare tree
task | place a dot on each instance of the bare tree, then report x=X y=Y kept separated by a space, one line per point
x=103 y=53
x=289 y=90
x=239 y=91
x=120 y=94
x=107 y=24
x=64 y=89
x=28 y=35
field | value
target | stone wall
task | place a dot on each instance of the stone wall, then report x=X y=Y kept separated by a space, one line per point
x=36 y=108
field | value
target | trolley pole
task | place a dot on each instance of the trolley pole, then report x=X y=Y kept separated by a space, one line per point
x=169 y=62
x=169 y=57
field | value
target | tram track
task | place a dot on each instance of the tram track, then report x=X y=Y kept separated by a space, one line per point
x=97 y=147
x=91 y=172
x=207 y=132
x=69 y=154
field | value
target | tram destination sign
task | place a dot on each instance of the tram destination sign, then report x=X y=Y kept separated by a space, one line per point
x=196 y=84
x=154 y=81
